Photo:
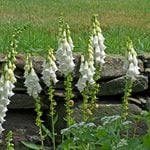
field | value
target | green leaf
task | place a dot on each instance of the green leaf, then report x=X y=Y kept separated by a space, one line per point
x=32 y=145
x=47 y=131
x=146 y=140
x=55 y=119
x=135 y=142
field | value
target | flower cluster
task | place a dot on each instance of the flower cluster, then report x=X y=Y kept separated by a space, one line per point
x=49 y=69
x=87 y=71
x=7 y=78
x=98 y=42
x=7 y=81
x=133 y=69
x=31 y=79
x=64 y=52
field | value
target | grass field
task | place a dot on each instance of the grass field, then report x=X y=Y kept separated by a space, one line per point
x=119 y=19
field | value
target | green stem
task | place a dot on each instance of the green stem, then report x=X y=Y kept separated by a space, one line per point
x=96 y=87
x=9 y=141
x=38 y=120
x=127 y=94
x=52 y=113
x=85 y=114
x=68 y=102
x=41 y=137
x=53 y=134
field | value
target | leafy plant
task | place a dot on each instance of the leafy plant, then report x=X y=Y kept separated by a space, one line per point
x=92 y=137
x=9 y=141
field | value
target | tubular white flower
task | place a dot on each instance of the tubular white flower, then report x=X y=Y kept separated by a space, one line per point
x=87 y=72
x=32 y=83
x=5 y=101
x=28 y=66
x=49 y=72
x=3 y=111
x=64 y=54
x=81 y=84
x=132 y=68
x=31 y=79
x=1 y=129
x=98 y=42
x=9 y=72
x=7 y=89
x=7 y=81
x=70 y=42
x=2 y=120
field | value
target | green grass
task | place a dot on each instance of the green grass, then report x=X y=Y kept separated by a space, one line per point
x=119 y=19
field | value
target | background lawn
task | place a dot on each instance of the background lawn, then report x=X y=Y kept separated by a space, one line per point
x=119 y=19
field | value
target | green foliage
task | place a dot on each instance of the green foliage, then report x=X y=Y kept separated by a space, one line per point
x=89 y=136
x=127 y=94
x=85 y=107
x=119 y=19
x=32 y=145
x=38 y=121
x=53 y=116
x=95 y=88
x=111 y=135
x=69 y=103
x=9 y=141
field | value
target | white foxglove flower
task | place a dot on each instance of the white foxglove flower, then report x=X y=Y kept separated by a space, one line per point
x=81 y=84
x=87 y=72
x=1 y=129
x=7 y=89
x=5 y=101
x=2 y=120
x=10 y=73
x=70 y=42
x=98 y=43
x=49 y=72
x=7 y=81
x=26 y=70
x=64 y=54
x=132 y=67
x=32 y=83
x=99 y=47
x=3 y=111
x=28 y=66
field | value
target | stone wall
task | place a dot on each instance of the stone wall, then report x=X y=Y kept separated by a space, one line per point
x=112 y=81
x=21 y=115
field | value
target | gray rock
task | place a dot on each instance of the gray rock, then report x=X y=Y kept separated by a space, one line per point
x=147 y=71
x=148 y=103
x=114 y=109
x=114 y=67
x=141 y=65
x=146 y=59
x=37 y=63
x=22 y=123
x=135 y=100
x=24 y=101
x=20 y=61
x=116 y=86
x=108 y=109
x=19 y=101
